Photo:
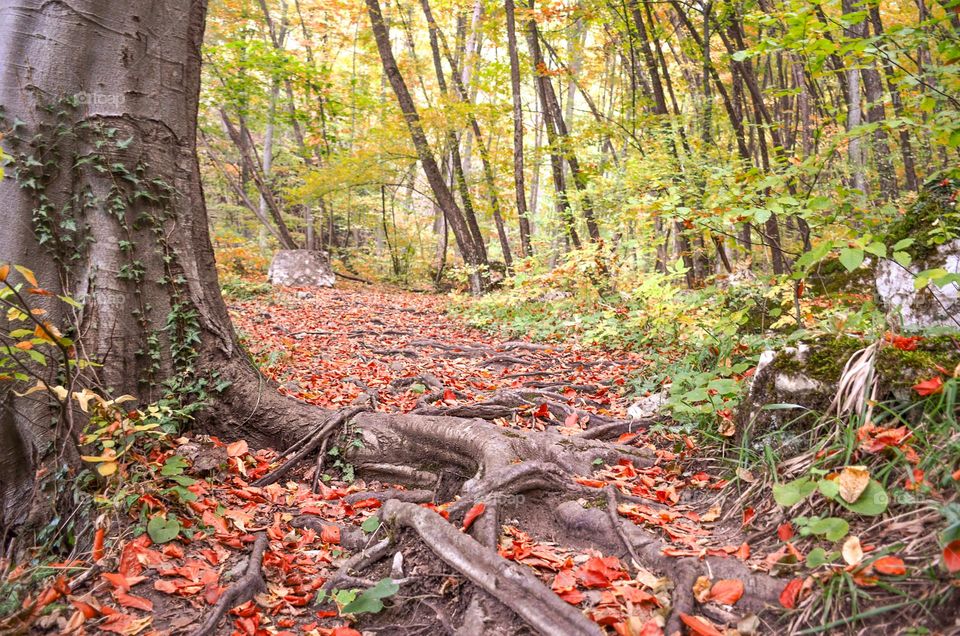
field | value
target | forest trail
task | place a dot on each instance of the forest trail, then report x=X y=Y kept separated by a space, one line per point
x=570 y=534
x=329 y=346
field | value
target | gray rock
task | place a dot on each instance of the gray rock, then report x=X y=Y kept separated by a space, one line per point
x=301 y=268
x=928 y=307
x=649 y=406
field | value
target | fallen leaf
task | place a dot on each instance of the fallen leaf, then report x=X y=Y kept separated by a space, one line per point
x=785 y=531
x=472 y=515
x=929 y=387
x=951 y=556
x=853 y=481
x=330 y=534
x=700 y=626
x=891 y=565
x=790 y=594
x=701 y=589
x=852 y=551
x=727 y=591
x=134 y=602
x=237 y=448
x=748 y=515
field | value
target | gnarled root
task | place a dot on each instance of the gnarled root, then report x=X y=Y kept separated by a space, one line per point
x=240 y=592
x=511 y=584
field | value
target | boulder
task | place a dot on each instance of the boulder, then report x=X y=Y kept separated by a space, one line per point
x=933 y=225
x=930 y=306
x=808 y=375
x=301 y=268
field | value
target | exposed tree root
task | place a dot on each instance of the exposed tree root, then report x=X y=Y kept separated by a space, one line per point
x=310 y=446
x=240 y=592
x=511 y=584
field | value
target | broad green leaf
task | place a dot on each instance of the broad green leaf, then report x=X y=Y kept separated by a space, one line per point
x=903 y=244
x=163 y=530
x=832 y=528
x=872 y=502
x=902 y=258
x=371 y=524
x=793 y=492
x=851 y=258
x=173 y=466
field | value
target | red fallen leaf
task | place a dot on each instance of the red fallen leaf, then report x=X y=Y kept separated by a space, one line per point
x=785 y=531
x=726 y=591
x=574 y=596
x=542 y=411
x=88 y=610
x=788 y=597
x=237 y=448
x=599 y=572
x=572 y=420
x=437 y=509
x=133 y=602
x=166 y=586
x=121 y=582
x=367 y=503
x=345 y=631
x=929 y=387
x=700 y=626
x=626 y=437
x=472 y=515
x=118 y=623
x=449 y=396
x=951 y=556
x=743 y=552
x=330 y=534
x=748 y=515
x=324 y=614
x=173 y=551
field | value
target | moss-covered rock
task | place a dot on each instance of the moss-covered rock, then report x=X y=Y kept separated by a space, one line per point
x=808 y=376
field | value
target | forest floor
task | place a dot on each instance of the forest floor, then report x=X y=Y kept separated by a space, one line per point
x=638 y=535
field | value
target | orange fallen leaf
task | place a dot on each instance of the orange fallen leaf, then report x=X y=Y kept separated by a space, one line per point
x=700 y=626
x=727 y=591
x=890 y=565
x=785 y=531
x=98 y=537
x=330 y=534
x=237 y=448
x=134 y=602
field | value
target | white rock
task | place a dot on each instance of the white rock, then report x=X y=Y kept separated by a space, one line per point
x=301 y=268
x=648 y=406
x=929 y=307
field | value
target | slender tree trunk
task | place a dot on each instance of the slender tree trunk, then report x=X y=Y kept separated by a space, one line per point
x=906 y=148
x=473 y=254
x=518 y=176
x=858 y=179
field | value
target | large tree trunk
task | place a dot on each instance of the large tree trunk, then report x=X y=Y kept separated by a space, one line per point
x=106 y=92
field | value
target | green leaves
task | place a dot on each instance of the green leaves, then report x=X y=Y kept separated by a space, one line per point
x=793 y=492
x=354 y=601
x=371 y=524
x=851 y=258
x=163 y=530
x=872 y=502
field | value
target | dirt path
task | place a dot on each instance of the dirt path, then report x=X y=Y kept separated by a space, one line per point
x=497 y=485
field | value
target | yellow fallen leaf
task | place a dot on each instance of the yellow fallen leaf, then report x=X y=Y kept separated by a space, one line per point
x=701 y=589
x=107 y=468
x=853 y=481
x=852 y=551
